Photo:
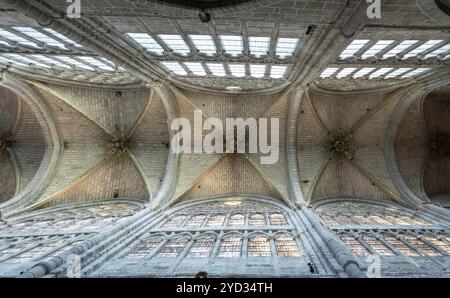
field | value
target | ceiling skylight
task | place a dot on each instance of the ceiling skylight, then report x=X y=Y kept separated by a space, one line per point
x=286 y=47
x=175 y=67
x=50 y=61
x=426 y=46
x=196 y=68
x=415 y=72
x=400 y=48
x=364 y=71
x=13 y=37
x=204 y=43
x=277 y=71
x=39 y=36
x=259 y=46
x=328 y=72
x=216 y=69
x=376 y=48
x=345 y=72
x=20 y=58
x=74 y=62
x=380 y=72
x=175 y=43
x=353 y=48
x=232 y=44
x=441 y=50
x=97 y=63
x=398 y=72
x=147 y=42
x=257 y=70
x=237 y=70
x=62 y=37
x=10 y=61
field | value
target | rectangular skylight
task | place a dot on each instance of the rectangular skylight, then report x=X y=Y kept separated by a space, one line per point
x=10 y=61
x=147 y=42
x=237 y=70
x=398 y=72
x=441 y=50
x=26 y=60
x=13 y=37
x=257 y=70
x=380 y=72
x=277 y=71
x=328 y=72
x=95 y=62
x=259 y=46
x=426 y=46
x=362 y=72
x=376 y=48
x=345 y=72
x=353 y=48
x=216 y=69
x=204 y=43
x=175 y=67
x=40 y=36
x=232 y=44
x=175 y=43
x=50 y=61
x=62 y=37
x=400 y=48
x=286 y=47
x=415 y=72
x=74 y=62
x=196 y=68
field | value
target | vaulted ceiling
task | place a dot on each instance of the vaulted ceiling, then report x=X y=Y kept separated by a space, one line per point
x=114 y=79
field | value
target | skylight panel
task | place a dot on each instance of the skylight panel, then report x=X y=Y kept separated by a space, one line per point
x=353 y=48
x=400 y=48
x=376 y=48
x=426 y=46
x=175 y=43
x=39 y=36
x=380 y=72
x=4 y=43
x=25 y=60
x=216 y=69
x=345 y=72
x=259 y=46
x=204 y=43
x=62 y=37
x=286 y=47
x=196 y=68
x=237 y=70
x=96 y=63
x=362 y=72
x=232 y=44
x=277 y=71
x=257 y=70
x=415 y=72
x=175 y=67
x=50 y=61
x=9 y=61
x=439 y=51
x=13 y=37
x=74 y=62
x=147 y=42
x=328 y=72
x=398 y=72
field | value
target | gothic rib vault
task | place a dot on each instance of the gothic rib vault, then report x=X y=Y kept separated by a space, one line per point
x=86 y=168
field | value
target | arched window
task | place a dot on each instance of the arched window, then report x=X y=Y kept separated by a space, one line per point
x=257 y=220
x=400 y=246
x=377 y=246
x=175 y=222
x=277 y=219
x=216 y=221
x=144 y=248
x=439 y=243
x=202 y=247
x=259 y=246
x=424 y=247
x=173 y=247
x=357 y=248
x=195 y=221
x=230 y=246
x=286 y=246
x=236 y=220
